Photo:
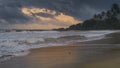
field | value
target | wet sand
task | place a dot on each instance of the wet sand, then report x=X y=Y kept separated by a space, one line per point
x=67 y=57
x=77 y=55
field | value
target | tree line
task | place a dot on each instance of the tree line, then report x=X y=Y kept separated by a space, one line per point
x=106 y=20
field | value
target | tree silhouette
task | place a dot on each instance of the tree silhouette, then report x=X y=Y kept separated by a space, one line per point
x=104 y=20
x=115 y=9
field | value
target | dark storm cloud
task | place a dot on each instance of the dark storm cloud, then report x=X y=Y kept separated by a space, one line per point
x=10 y=12
x=84 y=9
x=76 y=8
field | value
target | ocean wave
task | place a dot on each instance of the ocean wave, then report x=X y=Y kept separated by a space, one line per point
x=18 y=43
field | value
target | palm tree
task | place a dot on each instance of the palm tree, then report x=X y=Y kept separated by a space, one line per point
x=103 y=14
x=95 y=16
x=115 y=9
x=108 y=14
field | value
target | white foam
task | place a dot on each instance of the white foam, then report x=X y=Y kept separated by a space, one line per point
x=23 y=53
x=18 y=43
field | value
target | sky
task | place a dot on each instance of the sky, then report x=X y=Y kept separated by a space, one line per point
x=49 y=14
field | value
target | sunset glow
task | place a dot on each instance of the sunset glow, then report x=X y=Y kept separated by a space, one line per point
x=58 y=20
x=35 y=26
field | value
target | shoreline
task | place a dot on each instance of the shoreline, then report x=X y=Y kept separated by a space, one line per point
x=64 y=57
x=106 y=54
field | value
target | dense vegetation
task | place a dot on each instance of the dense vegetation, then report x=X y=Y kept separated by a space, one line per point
x=103 y=21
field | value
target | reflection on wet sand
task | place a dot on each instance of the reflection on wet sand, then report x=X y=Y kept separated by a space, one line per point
x=66 y=57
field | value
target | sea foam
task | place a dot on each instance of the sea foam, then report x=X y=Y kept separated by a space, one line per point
x=19 y=43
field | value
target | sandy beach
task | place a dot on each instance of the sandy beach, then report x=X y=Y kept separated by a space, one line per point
x=95 y=54
x=67 y=57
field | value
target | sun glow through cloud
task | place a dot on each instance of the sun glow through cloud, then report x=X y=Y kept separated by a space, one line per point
x=57 y=19
x=28 y=11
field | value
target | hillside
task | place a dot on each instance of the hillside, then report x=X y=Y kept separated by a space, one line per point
x=106 y=20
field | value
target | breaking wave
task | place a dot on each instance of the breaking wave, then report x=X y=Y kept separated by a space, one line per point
x=19 y=43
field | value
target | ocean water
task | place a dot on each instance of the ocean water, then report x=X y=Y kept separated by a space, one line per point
x=19 y=43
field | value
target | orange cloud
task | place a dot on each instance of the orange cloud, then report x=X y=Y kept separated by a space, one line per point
x=66 y=19
x=29 y=11
x=57 y=21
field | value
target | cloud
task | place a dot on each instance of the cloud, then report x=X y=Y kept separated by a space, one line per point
x=10 y=13
x=88 y=11
x=52 y=20
x=54 y=13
